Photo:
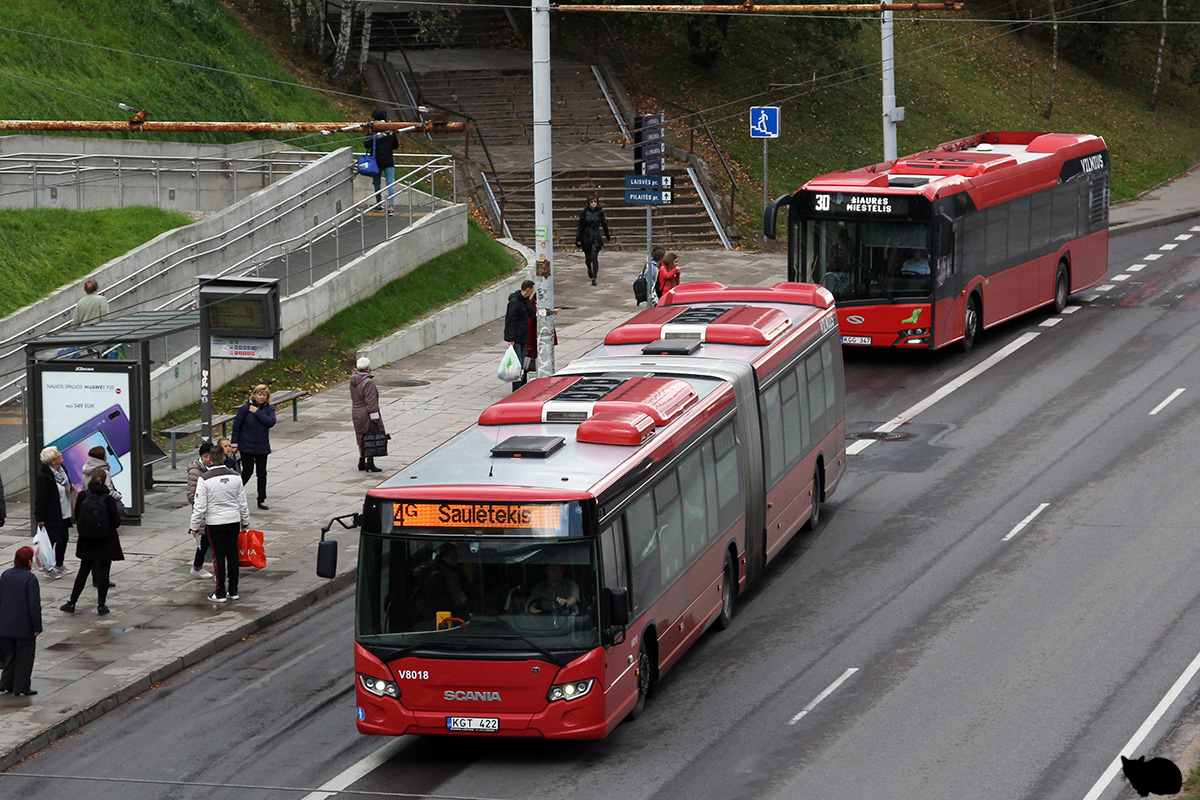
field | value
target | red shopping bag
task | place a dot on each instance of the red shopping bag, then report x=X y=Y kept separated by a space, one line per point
x=250 y=549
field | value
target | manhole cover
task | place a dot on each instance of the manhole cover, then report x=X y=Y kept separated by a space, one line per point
x=891 y=436
x=401 y=383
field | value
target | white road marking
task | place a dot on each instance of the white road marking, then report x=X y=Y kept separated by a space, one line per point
x=1163 y=404
x=1050 y=322
x=1020 y=526
x=1168 y=247
x=1121 y=277
x=1153 y=257
x=830 y=689
x=356 y=771
x=1170 y=697
x=1194 y=228
x=1106 y=287
x=1183 y=237
x=945 y=391
x=1070 y=309
x=1136 y=268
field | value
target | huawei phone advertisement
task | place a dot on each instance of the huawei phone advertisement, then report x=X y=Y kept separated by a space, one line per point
x=86 y=410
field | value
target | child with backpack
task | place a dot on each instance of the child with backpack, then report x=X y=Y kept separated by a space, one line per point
x=98 y=545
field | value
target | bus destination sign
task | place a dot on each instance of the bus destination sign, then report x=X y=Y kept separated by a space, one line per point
x=853 y=203
x=478 y=515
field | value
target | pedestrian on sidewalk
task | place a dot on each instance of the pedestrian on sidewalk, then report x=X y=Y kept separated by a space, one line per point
x=53 y=495
x=383 y=144
x=98 y=459
x=20 y=623
x=98 y=543
x=221 y=505
x=364 y=409
x=587 y=235
x=651 y=276
x=209 y=454
x=230 y=454
x=252 y=438
x=668 y=274
x=516 y=327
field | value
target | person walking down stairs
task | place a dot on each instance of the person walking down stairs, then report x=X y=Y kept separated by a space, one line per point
x=587 y=235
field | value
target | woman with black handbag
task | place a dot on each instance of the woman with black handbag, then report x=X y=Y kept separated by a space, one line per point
x=364 y=411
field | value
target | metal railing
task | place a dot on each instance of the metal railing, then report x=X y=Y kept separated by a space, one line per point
x=429 y=168
x=120 y=173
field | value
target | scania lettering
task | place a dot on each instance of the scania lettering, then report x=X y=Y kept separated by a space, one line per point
x=932 y=248
x=544 y=568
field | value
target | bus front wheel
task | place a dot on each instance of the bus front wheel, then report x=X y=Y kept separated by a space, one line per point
x=970 y=324
x=727 y=584
x=814 y=516
x=645 y=680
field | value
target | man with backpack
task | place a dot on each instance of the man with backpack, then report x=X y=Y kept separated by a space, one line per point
x=98 y=544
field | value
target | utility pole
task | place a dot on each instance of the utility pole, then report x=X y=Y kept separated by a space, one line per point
x=543 y=190
x=891 y=114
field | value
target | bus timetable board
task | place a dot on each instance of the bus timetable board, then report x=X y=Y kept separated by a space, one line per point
x=932 y=248
x=509 y=589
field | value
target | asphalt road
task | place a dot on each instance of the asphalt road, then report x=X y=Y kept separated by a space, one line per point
x=997 y=600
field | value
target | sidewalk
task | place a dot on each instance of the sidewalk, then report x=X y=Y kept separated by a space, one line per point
x=161 y=622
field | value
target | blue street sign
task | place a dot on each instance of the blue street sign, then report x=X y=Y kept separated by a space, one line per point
x=647 y=198
x=655 y=182
x=764 y=122
x=651 y=166
x=654 y=150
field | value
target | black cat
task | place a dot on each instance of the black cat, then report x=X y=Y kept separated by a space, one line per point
x=1157 y=776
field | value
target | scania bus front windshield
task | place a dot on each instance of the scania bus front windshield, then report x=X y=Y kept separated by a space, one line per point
x=456 y=591
x=877 y=260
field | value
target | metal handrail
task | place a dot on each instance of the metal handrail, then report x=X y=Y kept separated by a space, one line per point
x=219 y=244
x=712 y=215
x=693 y=112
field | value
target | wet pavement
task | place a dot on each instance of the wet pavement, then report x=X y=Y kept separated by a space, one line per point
x=162 y=623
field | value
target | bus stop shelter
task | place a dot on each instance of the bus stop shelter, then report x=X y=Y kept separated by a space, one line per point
x=89 y=387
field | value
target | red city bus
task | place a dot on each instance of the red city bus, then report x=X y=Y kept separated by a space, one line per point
x=930 y=249
x=535 y=575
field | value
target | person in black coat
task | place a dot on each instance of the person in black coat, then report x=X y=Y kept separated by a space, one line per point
x=516 y=326
x=20 y=623
x=587 y=235
x=252 y=438
x=384 y=144
x=53 y=495
x=96 y=554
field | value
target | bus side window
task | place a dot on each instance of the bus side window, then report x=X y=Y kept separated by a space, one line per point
x=643 y=552
x=670 y=526
x=691 y=489
x=729 y=477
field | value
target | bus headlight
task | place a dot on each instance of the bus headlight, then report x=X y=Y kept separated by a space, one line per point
x=570 y=691
x=378 y=686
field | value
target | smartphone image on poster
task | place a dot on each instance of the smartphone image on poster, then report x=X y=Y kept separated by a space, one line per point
x=75 y=456
x=112 y=422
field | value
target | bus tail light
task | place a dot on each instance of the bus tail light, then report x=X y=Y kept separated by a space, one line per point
x=570 y=691
x=378 y=686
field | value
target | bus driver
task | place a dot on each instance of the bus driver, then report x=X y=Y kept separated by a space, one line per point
x=555 y=593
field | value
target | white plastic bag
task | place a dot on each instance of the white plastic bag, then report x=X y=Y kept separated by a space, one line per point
x=510 y=366
x=43 y=550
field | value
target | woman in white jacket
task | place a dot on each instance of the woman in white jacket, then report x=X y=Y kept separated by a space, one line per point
x=221 y=502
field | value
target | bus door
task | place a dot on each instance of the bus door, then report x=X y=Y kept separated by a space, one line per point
x=949 y=282
x=620 y=655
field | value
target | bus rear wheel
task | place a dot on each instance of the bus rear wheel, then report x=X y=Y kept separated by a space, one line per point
x=814 y=516
x=727 y=584
x=1062 y=288
x=970 y=324
x=645 y=680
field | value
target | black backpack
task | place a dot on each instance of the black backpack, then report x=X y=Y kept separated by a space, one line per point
x=93 y=516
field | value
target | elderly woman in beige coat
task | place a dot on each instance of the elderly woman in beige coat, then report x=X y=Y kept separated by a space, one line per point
x=364 y=409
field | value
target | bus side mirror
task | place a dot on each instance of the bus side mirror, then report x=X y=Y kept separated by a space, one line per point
x=618 y=607
x=771 y=214
x=326 y=558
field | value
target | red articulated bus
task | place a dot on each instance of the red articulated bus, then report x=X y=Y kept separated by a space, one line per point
x=537 y=573
x=932 y=248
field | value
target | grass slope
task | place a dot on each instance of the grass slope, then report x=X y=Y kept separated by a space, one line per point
x=41 y=250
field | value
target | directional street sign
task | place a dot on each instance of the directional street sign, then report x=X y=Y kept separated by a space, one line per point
x=764 y=122
x=649 y=149
x=654 y=150
x=648 y=182
x=647 y=198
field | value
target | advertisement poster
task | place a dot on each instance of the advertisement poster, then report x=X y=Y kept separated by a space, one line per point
x=83 y=409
